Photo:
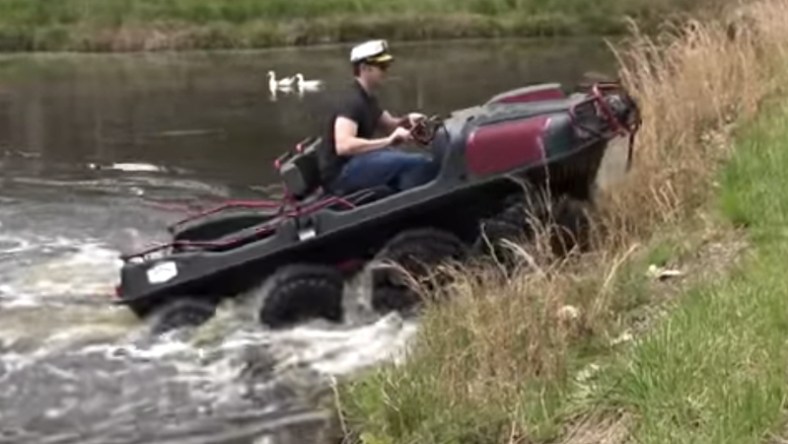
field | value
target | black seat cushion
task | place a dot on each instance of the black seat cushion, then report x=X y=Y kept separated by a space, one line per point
x=301 y=176
x=300 y=173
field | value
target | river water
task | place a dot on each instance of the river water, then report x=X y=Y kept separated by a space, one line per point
x=95 y=149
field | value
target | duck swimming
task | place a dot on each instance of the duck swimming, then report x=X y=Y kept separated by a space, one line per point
x=306 y=85
x=273 y=84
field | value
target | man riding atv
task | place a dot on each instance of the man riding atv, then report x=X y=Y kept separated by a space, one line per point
x=350 y=158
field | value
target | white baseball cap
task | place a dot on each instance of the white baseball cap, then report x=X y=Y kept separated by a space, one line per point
x=371 y=51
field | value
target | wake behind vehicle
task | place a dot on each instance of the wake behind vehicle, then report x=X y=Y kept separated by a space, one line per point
x=302 y=250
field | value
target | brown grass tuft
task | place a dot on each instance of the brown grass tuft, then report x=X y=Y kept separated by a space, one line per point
x=692 y=82
x=602 y=428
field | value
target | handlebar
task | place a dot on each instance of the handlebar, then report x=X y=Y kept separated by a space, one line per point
x=626 y=118
x=424 y=131
x=603 y=109
x=615 y=124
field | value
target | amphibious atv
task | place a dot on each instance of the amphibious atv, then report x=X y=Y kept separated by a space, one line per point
x=302 y=249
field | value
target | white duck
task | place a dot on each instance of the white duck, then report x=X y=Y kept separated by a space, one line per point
x=307 y=85
x=274 y=84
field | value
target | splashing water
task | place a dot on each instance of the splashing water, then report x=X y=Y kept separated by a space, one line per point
x=76 y=368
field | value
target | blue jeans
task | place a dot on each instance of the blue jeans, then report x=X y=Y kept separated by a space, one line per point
x=396 y=169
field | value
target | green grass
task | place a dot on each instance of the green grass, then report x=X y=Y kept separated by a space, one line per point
x=499 y=364
x=165 y=24
x=416 y=403
x=715 y=370
x=38 y=12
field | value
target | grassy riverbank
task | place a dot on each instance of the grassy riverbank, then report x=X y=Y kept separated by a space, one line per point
x=506 y=362
x=714 y=370
x=117 y=25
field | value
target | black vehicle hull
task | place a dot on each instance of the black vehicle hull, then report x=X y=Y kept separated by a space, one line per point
x=475 y=178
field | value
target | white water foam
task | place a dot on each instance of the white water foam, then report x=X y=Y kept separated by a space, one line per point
x=90 y=268
x=328 y=351
x=343 y=352
x=214 y=371
x=129 y=167
x=13 y=245
x=79 y=268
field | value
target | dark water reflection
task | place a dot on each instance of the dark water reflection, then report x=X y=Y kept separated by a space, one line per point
x=211 y=114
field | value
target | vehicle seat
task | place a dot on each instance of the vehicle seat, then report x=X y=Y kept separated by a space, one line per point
x=301 y=176
x=299 y=171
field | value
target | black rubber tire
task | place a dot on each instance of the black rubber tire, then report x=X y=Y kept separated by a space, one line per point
x=301 y=292
x=217 y=226
x=141 y=310
x=387 y=298
x=415 y=250
x=573 y=226
x=183 y=312
x=418 y=249
x=492 y=233
x=569 y=223
x=514 y=223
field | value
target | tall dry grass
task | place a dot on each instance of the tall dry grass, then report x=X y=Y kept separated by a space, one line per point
x=693 y=82
x=481 y=356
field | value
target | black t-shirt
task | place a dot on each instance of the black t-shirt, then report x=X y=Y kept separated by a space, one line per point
x=363 y=108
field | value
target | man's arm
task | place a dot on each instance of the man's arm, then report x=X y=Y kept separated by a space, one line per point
x=348 y=144
x=388 y=122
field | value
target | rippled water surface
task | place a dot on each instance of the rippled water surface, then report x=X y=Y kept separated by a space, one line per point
x=95 y=153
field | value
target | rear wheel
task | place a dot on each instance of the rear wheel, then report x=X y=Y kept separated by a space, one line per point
x=573 y=226
x=388 y=297
x=414 y=252
x=182 y=313
x=298 y=293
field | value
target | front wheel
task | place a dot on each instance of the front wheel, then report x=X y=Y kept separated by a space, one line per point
x=414 y=252
x=573 y=226
x=522 y=218
x=566 y=221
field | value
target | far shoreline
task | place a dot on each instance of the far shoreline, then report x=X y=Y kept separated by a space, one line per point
x=317 y=47
x=296 y=34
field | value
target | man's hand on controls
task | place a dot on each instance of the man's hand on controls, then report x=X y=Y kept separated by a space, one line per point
x=410 y=120
x=400 y=135
x=414 y=118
